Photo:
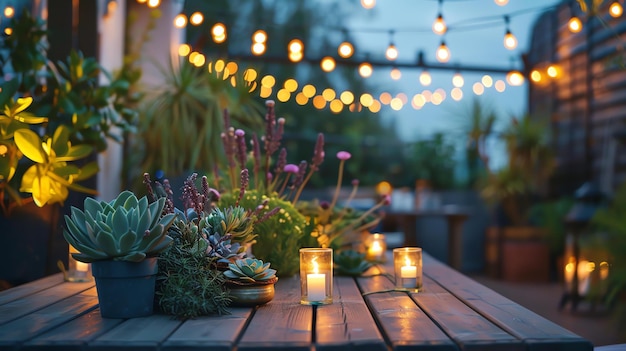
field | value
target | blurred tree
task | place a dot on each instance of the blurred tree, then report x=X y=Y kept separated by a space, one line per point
x=433 y=160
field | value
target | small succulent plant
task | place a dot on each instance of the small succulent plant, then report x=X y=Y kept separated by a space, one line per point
x=250 y=270
x=351 y=263
x=125 y=229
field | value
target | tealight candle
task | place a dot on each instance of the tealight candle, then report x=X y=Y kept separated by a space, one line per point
x=316 y=276
x=407 y=262
x=77 y=271
x=376 y=248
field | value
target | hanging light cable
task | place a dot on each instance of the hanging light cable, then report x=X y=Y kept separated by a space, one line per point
x=439 y=26
x=392 y=52
x=510 y=41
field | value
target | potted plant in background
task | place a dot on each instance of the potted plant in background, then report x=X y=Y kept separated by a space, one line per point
x=121 y=239
x=251 y=282
x=63 y=116
x=512 y=191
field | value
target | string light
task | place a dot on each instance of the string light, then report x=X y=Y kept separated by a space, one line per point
x=154 y=3
x=258 y=42
x=501 y=2
x=366 y=70
x=296 y=50
x=535 y=76
x=180 y=21
x=515 y=78
x=425 y=78
x=395 y=73
x=457 y=80
x=392 y=52
x=616 y=9
x=327 y=64
x=9 y=12
x=368 y=4
x=574 y=24
x=552 y=71
x=510 y=41
x=345 y=50
x=443 y=53
x=439 y=25
x=219 y=32
x=196 y=18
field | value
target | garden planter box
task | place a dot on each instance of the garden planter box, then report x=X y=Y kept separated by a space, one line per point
x=517 y=254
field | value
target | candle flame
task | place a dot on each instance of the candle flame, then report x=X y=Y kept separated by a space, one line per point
x=315 y=267
x=407 y=261
x=376 y=246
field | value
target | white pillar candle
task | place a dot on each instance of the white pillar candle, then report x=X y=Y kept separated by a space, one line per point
x=408 y=273
x=316 y=286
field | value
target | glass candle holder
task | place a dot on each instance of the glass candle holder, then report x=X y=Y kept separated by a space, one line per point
x=407 y=264
x=77 y=271
x=316 y=276
x=376 y=248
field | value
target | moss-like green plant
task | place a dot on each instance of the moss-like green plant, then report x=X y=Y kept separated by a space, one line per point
x=125 y=229
x=250 y=271
x=280 y=236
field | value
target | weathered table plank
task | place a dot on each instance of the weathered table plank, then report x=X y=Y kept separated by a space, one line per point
x=403 y=322
x=144 y=333
x=24 y=290
x=74 y=335
x=22 y=329
x=21 y=307
x=212 y=332
x=281 y=324
x=537 y=332
x=347 y=323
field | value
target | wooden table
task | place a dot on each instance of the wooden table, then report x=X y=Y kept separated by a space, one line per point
x=452 y=312
x=454 y=217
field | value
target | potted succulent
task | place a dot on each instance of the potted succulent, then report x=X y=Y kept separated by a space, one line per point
x=251 y=282
x=121 y=239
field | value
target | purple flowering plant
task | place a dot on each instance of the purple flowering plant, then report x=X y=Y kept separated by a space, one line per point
x=326 y=223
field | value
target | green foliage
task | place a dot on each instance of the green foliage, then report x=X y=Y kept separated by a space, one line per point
x=250 y=271
x=75 y=107
x=351 y=263
x=550 y=216
x=434 y=161
x=612 y=220
x=280 y=236
x=181 y=122
x=125 y=229
x=187 y=283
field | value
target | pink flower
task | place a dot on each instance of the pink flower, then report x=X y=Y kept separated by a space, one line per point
x=291 y=168
x=240 y=133
x=343 y=155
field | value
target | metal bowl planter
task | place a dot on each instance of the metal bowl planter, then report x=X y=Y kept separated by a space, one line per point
x=251 y=294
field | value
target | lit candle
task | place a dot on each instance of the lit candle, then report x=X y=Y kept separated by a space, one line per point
x=316 y=284
x=408 y=273
x=376 y=250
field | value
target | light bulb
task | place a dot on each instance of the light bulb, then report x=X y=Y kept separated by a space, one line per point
x=552 y=71
x=501 y=2
x=395 y=74
x=391 y=53
x=574 y=24
x=259 y=36
x=196 y=18
x=425 y=78
x=345 y=49
x=180 y=21
x=296 y=50
x=439 y=26
x=219 y=32
x=443 y=53
x=510 y=41
x=515 y=78
x=368 y=4
x=457 y=80
x=9 y=11
x=258 y=49
x=535 y=76
x=616 y=9
x=327 y=64
x=365 y=70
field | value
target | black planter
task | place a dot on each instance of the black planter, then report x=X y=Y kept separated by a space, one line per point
x=125 y=289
